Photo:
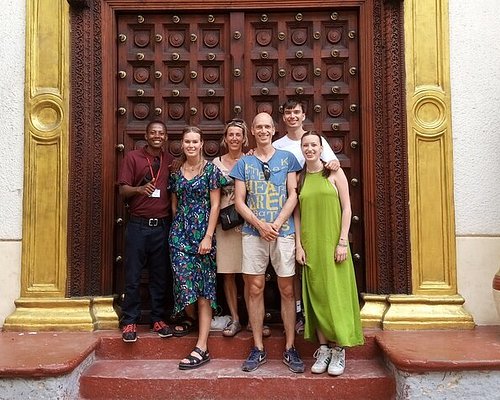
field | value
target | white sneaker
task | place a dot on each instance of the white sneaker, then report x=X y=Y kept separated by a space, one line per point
x=323 y=357
x=337 y=364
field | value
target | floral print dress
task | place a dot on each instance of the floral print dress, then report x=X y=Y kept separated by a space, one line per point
x=194 y=275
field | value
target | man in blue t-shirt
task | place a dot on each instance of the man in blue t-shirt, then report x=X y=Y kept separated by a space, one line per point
x=265 y=196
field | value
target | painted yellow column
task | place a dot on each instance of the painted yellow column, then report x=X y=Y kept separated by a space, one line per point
x=434 y=302
x=43 y=305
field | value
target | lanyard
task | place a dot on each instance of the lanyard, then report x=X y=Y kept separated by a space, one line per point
x=151 y=169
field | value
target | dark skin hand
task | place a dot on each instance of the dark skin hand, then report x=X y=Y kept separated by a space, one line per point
x=145 y=190
x=148 y=188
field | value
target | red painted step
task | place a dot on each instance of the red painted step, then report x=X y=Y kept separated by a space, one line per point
x=223 y=379
x=150 y=346
x=148 y=369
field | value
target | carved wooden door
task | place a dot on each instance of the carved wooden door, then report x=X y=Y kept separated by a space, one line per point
x=203 y=69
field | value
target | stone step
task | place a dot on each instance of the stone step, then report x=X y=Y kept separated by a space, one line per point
x=365 y=379
x=149 y=346
x=148 y=369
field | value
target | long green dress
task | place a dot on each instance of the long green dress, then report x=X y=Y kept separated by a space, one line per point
x=329 y=288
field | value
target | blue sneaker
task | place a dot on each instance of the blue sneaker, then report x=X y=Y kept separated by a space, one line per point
x=292 y=359
x=255 y=359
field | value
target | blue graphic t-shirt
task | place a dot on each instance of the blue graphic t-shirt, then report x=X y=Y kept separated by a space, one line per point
x=266 y=198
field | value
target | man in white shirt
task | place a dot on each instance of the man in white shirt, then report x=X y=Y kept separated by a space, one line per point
x=293 y=117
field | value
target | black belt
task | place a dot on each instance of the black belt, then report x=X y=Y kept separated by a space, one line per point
x=149 y=221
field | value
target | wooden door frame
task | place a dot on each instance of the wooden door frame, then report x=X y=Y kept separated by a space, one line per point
x=92 y=149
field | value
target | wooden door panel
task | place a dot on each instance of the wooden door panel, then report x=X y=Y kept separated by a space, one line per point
x=201 y=99
x=179 y=72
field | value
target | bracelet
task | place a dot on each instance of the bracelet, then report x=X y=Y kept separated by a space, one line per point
x=341 y=245
x=208 y=235
x=342 y=240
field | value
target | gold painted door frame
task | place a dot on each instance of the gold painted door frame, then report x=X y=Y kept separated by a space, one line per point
x=434 y=302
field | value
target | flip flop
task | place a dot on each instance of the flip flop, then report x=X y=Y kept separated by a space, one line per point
x=231 y=329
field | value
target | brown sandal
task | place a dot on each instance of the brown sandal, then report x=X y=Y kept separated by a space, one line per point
x=266 y=331
x=231 y=329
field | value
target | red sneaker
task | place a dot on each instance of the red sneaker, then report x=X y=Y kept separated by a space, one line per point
x=129 y=333
x=162 y=329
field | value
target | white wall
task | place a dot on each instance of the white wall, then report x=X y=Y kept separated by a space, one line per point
x=12 y=15
x=475 y=80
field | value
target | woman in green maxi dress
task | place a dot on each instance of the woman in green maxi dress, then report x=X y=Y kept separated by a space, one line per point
x=329 y=292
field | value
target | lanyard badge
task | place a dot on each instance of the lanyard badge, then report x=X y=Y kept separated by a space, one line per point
x=154 y=167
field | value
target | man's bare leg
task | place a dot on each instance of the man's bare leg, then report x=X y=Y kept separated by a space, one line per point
x=255 y=305
x=285 y=286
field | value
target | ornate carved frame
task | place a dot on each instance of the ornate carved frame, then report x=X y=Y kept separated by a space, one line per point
x=385 y=158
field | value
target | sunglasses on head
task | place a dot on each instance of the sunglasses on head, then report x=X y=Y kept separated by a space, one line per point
x=266 y=170
x=235 y=121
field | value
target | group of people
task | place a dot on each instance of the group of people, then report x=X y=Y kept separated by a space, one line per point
x=294 y=201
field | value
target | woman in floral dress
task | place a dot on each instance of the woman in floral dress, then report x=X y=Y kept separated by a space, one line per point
x=195 y=189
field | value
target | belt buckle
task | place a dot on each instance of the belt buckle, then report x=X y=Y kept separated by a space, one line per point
x=153 y=222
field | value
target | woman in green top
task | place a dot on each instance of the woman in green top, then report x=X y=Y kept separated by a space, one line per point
x=329 y=290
